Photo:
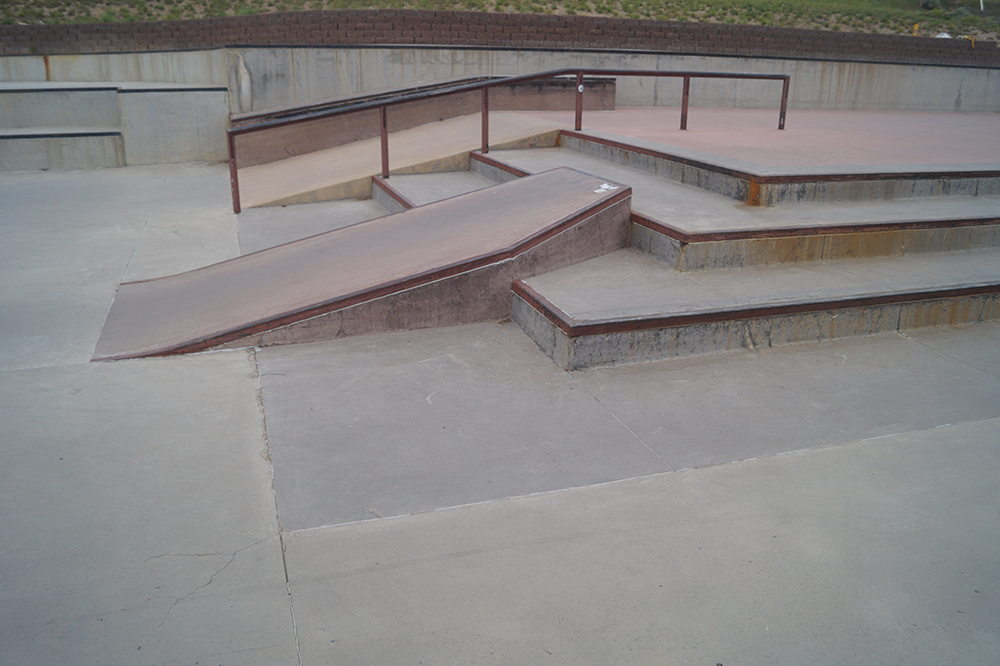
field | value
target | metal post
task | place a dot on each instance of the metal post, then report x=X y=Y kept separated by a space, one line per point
x=579 y=101
x=234 y=180
x=684 y=102
x=485 y=113
x=385 y=141
x=784 y=104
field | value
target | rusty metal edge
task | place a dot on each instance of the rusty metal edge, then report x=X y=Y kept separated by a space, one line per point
x=789 y=232
x=494 y=162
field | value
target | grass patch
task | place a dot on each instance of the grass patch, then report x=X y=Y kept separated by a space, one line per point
x=956 y=17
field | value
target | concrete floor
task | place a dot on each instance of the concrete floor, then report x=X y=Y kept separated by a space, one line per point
x=829 y=504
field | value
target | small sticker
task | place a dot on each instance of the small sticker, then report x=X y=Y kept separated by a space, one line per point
x=606 y=187
x=580 y=88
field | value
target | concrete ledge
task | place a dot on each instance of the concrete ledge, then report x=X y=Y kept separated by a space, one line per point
x=578 y=346
x=692 y=252
x=768 y=186
x=34 y=148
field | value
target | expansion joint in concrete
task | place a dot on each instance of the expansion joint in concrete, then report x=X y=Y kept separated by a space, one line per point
x=252 y=357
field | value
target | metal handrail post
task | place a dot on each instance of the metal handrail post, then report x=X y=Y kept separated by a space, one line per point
x=485 y=113
x=684 y=102
x=384 y=132
x=234 y=179
x=579 y=101
x=784 y=104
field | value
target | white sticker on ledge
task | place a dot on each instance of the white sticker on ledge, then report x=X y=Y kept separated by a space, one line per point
x=606 y=187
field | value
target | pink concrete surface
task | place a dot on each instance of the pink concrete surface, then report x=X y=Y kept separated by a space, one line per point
x=810 y=138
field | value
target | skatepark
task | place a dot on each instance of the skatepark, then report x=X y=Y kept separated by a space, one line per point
x=537 y=390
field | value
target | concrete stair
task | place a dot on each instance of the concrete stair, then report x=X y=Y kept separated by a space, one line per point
x=85 y=125
x=717 y=276
x=627 y=307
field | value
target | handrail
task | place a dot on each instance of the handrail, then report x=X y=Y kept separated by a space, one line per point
x=382 y=103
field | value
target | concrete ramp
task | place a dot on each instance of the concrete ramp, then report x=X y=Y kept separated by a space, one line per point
x=446 y=263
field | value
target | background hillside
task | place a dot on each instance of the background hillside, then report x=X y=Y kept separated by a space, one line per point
x=927 y=18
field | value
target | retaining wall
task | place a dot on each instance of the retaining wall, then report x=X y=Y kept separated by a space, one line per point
x=442 y=28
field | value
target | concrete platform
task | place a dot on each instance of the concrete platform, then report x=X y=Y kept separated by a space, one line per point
x=811 y=138
x=345 y=172
x=692 y=209
x=440 y=264
x=625 y=308
x=808 y=504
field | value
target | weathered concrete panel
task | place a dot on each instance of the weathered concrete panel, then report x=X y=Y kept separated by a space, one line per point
x=59 y=108
x=169 y=127
x=194 y=67
x=22 y=68
x=284 y=76
x=61 y=152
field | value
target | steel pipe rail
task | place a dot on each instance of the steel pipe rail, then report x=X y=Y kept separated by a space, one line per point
x=383 y=101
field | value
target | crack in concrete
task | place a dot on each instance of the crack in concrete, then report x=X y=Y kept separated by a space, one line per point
x=616 y=418
x=211 y=579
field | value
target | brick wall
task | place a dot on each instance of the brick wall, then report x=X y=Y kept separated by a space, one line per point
x=401 y=27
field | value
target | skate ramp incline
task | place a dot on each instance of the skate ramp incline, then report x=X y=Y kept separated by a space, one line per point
x=445 y=263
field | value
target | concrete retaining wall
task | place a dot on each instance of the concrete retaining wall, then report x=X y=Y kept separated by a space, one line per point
x=269 y=77
x=278 y=77
x=172 y=127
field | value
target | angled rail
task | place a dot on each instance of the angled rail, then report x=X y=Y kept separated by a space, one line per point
x=383 y=101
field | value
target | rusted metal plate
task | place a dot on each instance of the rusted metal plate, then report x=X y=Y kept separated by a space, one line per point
x=313 y=276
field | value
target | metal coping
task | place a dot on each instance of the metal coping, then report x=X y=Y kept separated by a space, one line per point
x=58 y=135
x=119 y=88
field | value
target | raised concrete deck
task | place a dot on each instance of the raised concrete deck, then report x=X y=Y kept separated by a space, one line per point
x=444 y=263
x=810 y=139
